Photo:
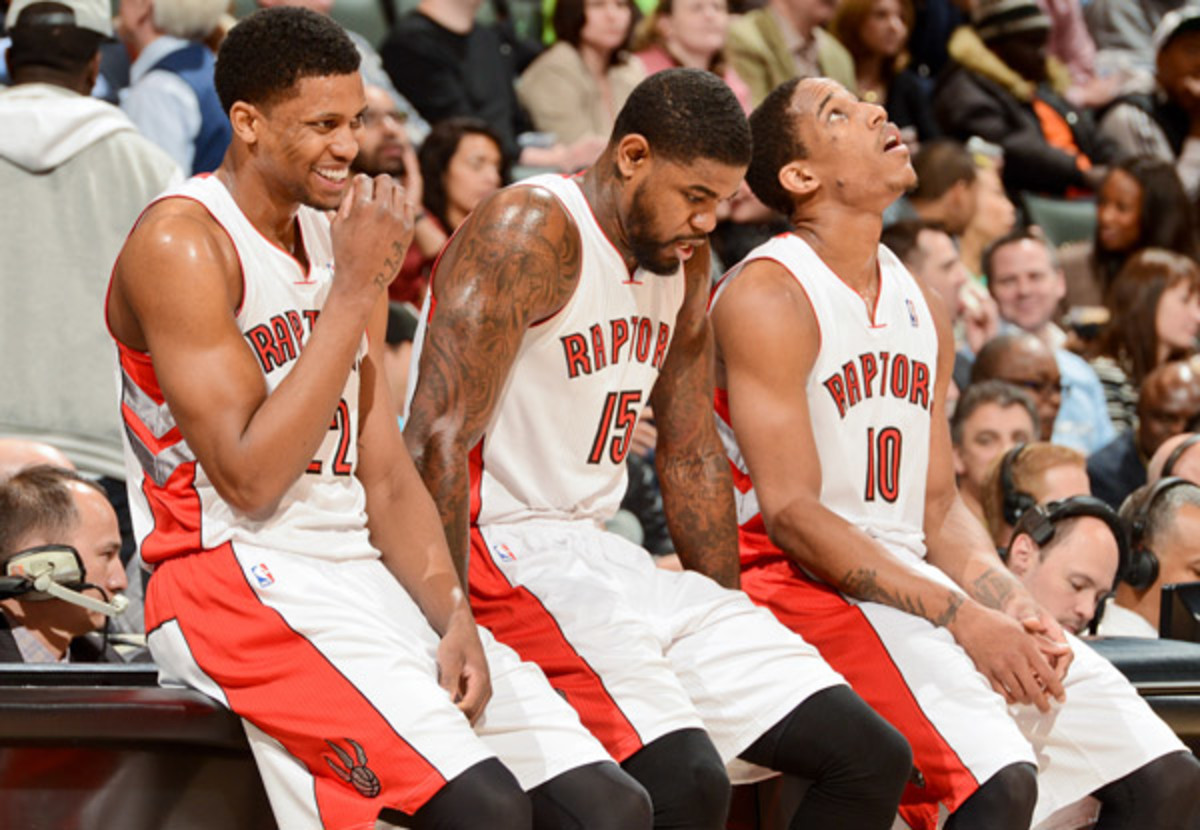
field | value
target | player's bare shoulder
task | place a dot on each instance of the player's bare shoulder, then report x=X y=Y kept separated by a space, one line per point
x=176 y=242
x=758 y=302
x=520 y=244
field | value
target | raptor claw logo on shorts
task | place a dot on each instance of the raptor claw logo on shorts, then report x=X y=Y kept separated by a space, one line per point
x=352 y=772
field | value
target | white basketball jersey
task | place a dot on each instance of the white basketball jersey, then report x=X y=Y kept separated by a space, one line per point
x=556 y=443
x=176 y=510
x=870 y=395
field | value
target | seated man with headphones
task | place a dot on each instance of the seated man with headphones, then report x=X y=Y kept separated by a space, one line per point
x=60 y=567
x=1027 y=475
x=1164 y=522
x=1068 y=554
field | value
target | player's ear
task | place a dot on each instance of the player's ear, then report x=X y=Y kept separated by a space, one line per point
x=246 y=120
x=1022 y=553
x=633 y=153
x=798 y=178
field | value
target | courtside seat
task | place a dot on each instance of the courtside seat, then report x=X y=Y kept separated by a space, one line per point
x=1167 y=674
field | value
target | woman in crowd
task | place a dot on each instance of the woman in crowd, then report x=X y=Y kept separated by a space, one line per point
x=875 y=32
x=460 y=162
x=576 y=87
x=1155 y=316
x=994 y=216
x=689 y=33
x=1141 y=204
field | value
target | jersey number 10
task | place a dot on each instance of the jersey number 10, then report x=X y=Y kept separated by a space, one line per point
x=883 y=463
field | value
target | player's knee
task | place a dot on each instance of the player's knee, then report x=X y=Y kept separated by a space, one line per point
x=486 y=795
x=686 y=779
x=1006 y=800
x=598 y=796
x=1161 y=793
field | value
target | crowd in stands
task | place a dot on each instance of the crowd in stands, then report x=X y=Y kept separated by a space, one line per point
x=1056 y=145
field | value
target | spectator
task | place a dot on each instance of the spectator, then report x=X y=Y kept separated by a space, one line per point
x=1155 y=316
x=1028 y=286
x=783 y=40
x=1176 y=456
x=1165 y=124
x=1165 y=518
x=994 y=216
x=44 y=506
x=1024 y=361
x=876 y=34
x=991 y=418
x=447 y=65
x=1141 y=204
x=1027 y=475
x=1067 y=554
x=945 y=191
x=998 y=88
x=690 y=33
x=1168 y=401
x=171 y=96
x=371 y=68
x=574 y=89
x=17 y=455
x=1125 y=36
x=74 y=175
x=384 y=148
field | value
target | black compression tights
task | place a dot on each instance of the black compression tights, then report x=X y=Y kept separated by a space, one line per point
x=686 y=781
x=597 y=796
x=1162 y=795
x=1003 y=802
x=857 y=763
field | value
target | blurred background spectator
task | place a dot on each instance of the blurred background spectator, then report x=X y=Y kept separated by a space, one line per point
x=990 y=419
x=575 y=88
x=690 y=33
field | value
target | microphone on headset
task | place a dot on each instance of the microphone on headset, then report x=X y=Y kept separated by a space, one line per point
x=55 y=572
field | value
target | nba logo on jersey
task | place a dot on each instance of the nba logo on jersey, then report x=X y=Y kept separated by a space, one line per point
x=504 y=553
x=912 y=312
x=263 y=575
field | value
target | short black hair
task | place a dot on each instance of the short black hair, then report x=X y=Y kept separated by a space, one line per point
x=686 y=114
x=776 y=143
x=263 y=57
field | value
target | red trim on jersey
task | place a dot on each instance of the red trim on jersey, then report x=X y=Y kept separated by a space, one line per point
x=278 y=680
x=848 y=642
x=518 y=619
x=475 y=471
x=741 y=480
x=177 y=516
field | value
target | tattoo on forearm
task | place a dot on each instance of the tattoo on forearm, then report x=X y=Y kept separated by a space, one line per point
x=992 y=588
x=391 y=265
x=863 y=583
x=698 y=503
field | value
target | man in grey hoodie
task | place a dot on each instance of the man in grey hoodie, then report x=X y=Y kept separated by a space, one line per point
x=74 y=175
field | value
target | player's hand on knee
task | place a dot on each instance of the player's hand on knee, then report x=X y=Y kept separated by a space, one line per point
x=1007 y=655
x=462 y=667
x=371 y=231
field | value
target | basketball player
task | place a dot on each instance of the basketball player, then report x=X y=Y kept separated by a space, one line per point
x=832 y=376
x=302 y=577
x=560 y=309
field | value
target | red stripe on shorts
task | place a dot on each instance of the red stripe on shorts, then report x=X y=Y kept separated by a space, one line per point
x=848 y=642
x=275 y=678
x=518 y=619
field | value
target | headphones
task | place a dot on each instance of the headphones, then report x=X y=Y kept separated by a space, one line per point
x=54 y=572
x=1169 y=465
x=1039 y=523
x=1143 y=570
x=1016 y=502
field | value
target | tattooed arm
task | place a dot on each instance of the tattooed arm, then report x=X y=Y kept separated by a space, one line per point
x=770 y=415
x=515 y=261
x=692 y=469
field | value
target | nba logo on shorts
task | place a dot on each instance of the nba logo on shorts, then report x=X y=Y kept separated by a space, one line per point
x=263 y=575
x=504 y=553
x=912 y=312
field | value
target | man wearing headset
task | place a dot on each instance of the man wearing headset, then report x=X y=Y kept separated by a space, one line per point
x=1025 y=475
x=48 y=507
x=1068 y=553
x=1164 y=520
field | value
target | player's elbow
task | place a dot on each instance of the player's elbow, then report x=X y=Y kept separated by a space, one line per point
x=254 y=496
